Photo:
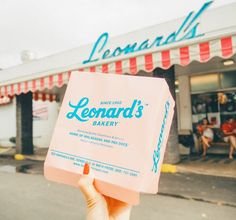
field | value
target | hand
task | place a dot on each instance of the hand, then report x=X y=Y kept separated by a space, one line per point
x=100 y=207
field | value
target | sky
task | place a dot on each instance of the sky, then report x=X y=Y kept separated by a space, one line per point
x=47 y=27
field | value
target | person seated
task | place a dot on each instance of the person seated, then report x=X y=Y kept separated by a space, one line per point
x=207 y=135
x=229 y=130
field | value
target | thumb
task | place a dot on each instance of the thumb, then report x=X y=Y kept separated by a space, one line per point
x=86 y=186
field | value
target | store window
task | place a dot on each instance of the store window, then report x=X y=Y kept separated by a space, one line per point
x=205 y=106
x=216 y=106
x=213 y=97
x=228 y=79
x=204 y=82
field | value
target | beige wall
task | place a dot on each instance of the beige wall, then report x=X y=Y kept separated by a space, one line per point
x=184 y=104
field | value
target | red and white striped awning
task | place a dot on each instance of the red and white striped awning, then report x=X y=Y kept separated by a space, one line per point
x=4 y=100
x=44 y=97
x=224 y=47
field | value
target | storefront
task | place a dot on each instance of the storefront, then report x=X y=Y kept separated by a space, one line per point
x=207 y=91
x=206 y=100
x=44 y=114
x=187 y=48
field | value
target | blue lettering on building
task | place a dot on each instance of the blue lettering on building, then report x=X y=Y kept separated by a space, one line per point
x=187 y=30
x=83 y=113
x=157 y=151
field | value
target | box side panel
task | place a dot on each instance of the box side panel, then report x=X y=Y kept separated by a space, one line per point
x=157 y=150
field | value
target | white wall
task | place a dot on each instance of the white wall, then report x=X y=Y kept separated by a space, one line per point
x=7 y=123
x=184 y=107
x=43 y=128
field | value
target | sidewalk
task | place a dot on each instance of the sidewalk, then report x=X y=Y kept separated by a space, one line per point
x=39 y=153
x=32 y=164
x=214 y=165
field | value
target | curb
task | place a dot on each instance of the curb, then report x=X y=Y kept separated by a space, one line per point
x=19 y=157
x=215 y=202
x=168 y=168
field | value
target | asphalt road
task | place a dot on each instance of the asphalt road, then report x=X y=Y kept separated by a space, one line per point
x=213 y=189
x=31 y=197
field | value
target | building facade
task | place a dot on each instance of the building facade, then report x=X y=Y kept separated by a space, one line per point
x=196 y=53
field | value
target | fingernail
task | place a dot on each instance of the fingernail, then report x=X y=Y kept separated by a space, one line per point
x=86 y=169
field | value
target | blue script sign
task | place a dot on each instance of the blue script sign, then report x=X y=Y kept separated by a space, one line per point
x=157 y=151
x=83 y=113
x=187 y=30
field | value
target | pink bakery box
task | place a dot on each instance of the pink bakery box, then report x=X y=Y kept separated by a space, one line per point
x=118 y=124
